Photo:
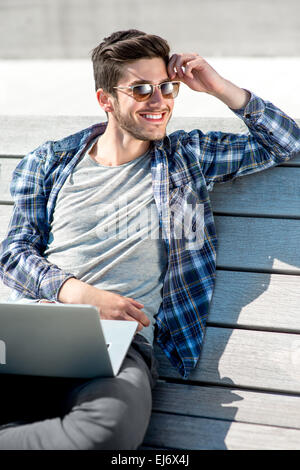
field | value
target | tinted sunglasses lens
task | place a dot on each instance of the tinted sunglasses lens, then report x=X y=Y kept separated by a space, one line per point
x=169 y=89
x=142 y=92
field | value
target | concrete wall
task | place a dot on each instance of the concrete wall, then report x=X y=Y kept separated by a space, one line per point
x=47 y=29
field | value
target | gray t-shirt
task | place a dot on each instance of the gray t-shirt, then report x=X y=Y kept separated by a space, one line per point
x=105 y=230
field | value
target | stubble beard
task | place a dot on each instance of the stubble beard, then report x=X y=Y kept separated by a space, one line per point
x=127 y=124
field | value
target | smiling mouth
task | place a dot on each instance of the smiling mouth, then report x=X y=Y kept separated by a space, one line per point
x=153 y=117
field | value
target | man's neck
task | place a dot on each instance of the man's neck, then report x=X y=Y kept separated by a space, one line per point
x=115 y=147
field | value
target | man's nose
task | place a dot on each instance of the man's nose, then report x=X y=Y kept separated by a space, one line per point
x=157 y=96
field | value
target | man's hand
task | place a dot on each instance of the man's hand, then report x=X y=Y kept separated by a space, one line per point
x=110 y=305
x=198 y=75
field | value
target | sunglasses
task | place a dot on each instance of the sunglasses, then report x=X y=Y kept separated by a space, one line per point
x=144 y=91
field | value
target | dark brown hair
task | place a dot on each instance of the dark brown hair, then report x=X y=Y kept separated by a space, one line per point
x=120 y=48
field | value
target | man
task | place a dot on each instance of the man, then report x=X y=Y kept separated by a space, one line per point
x=77 y=234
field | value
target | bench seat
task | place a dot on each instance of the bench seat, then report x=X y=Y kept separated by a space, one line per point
x=245 y=391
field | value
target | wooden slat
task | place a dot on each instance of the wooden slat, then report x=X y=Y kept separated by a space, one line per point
x=256 y=300
x=271 y=192
x=180 y=432
x=22 y=134
x=259 y=243
x=226 y=403
x=228 y=124
x=243 y=358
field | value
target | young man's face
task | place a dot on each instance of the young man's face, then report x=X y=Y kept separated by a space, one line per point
x=143 y=120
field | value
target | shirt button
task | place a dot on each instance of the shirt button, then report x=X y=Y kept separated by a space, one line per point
x=248 y=116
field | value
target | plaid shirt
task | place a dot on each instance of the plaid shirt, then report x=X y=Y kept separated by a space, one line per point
x=184 y=166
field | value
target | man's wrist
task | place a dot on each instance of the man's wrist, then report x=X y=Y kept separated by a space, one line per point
x=74 y=291
x=233 y=96
x=71 y=291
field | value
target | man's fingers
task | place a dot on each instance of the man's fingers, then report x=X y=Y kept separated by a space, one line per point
x=171 y=71
x=135 y=302
x=138 y=315
x=190 y=65
x=178 y=61
x=178 y=64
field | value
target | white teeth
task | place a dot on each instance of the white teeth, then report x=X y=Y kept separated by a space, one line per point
x=153 y=116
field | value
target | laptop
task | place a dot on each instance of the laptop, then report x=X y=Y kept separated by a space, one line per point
x=61 y=340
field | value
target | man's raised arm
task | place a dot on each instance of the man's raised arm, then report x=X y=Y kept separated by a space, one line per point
x=274 y=137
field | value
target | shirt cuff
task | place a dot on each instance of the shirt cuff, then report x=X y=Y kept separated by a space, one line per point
x=51 y=284
x=253 y=109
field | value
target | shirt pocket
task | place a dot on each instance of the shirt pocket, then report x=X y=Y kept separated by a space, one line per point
x=187 y=214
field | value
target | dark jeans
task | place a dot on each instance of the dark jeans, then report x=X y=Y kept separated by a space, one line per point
x=102 y=413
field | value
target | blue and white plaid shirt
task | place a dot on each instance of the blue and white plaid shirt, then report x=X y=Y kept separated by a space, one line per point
x=184 y=166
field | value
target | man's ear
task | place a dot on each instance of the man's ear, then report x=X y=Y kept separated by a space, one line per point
x=105 y=100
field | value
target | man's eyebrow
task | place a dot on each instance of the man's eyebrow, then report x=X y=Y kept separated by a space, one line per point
x=142 y=82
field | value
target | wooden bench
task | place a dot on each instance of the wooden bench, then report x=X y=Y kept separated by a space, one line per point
x=245 y=391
